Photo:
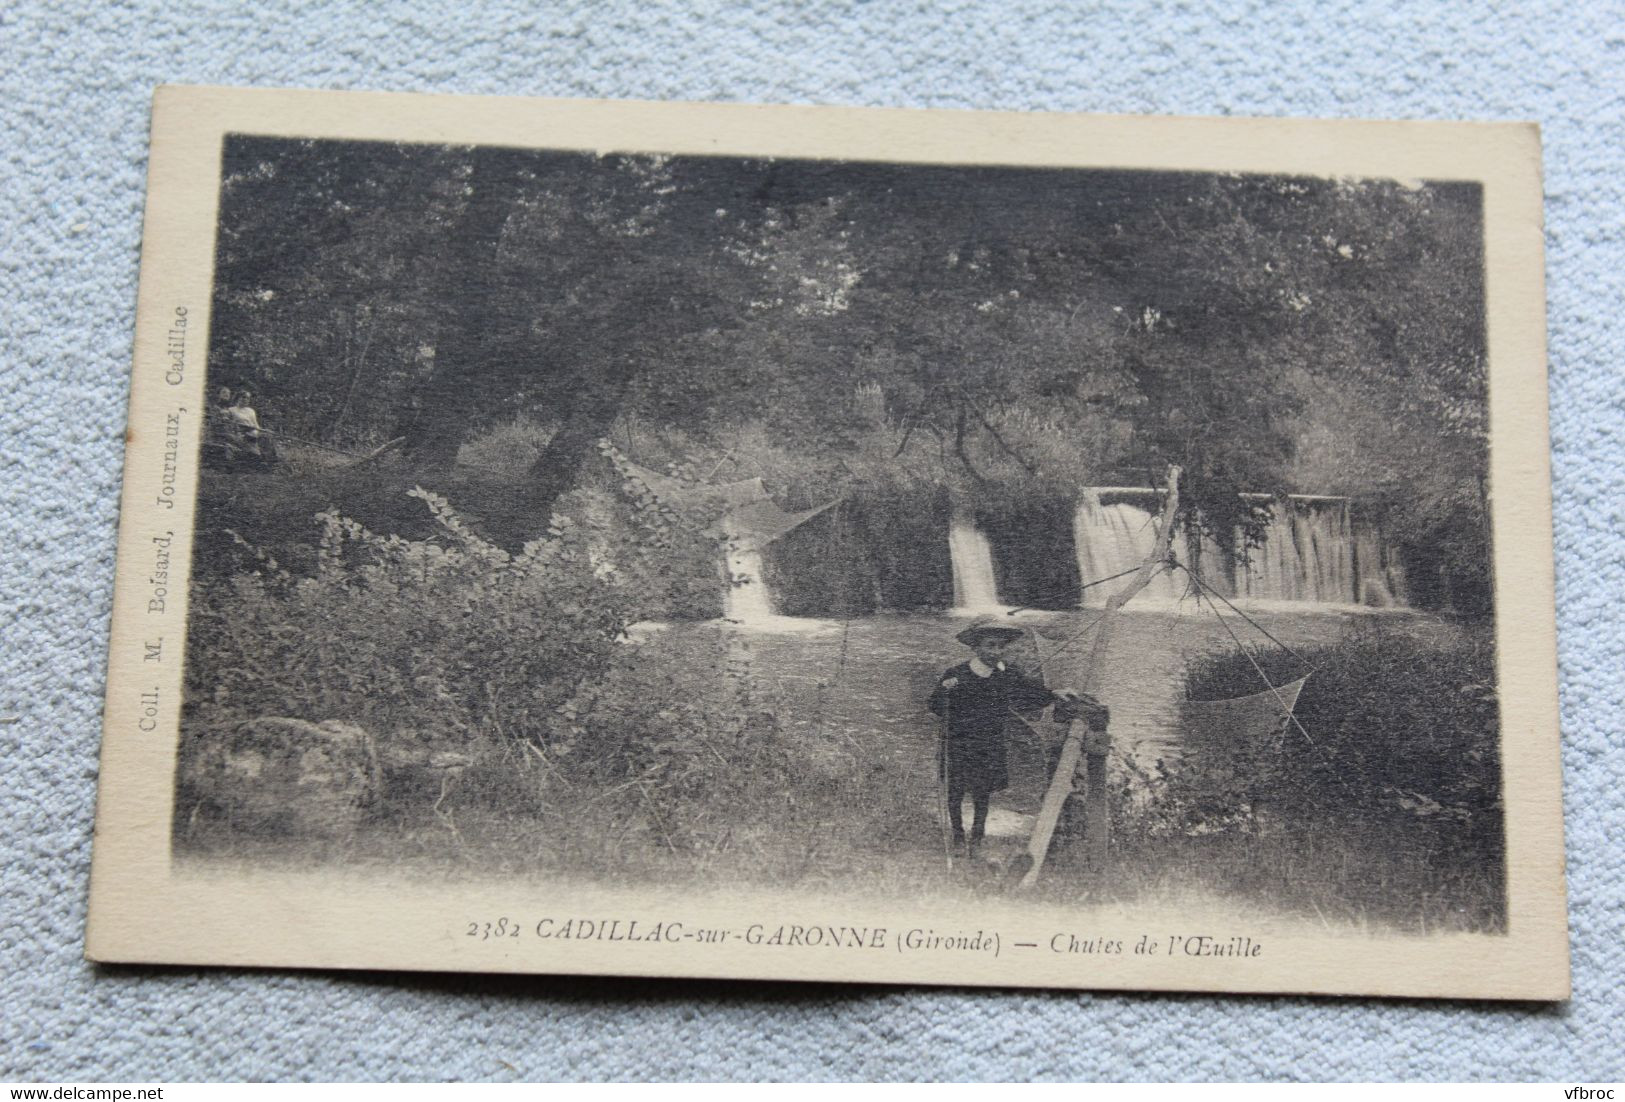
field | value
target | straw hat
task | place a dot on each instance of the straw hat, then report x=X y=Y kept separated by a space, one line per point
x=973 y=634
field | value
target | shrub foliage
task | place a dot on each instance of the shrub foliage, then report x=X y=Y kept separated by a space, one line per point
x=1387 y=801
x=568 y=734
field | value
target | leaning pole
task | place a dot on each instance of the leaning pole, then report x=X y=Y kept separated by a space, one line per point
x=1080 y=740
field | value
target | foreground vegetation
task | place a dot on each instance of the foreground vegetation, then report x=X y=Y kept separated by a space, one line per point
x=513 y=719
x=1384 y=808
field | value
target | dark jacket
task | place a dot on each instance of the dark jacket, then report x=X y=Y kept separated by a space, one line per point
x=974 y=711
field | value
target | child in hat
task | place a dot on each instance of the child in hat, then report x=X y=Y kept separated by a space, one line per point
x=974 y=700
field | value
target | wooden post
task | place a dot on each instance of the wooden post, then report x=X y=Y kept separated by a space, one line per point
x=1097 y=823
x=1088 y=747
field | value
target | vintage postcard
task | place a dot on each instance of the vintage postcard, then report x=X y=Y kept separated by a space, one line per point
x=855 y=545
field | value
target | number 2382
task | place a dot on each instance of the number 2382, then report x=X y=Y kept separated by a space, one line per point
x=485 y=931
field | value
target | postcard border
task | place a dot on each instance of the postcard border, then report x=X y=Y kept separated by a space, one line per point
x=141 y=910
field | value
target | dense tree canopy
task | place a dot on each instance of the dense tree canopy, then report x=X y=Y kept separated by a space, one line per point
x=970 y=327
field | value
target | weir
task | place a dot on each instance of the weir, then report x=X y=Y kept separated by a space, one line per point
x=897 y=554
x=742 y=517
x=1314 y=552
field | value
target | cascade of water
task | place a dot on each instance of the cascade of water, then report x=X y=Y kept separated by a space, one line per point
x=1274 y=571
x=974 y=587
x=1313 y=552
x=747 y=599
x=1316 y=550
x=1379 y=575
x=1334 y=551
x=1113 y=538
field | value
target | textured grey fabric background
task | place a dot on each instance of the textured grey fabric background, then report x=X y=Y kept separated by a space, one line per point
x=76 y=79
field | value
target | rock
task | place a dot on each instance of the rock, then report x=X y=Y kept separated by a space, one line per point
x=276 y=777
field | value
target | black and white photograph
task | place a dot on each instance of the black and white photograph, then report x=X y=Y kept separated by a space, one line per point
x=1037 y=550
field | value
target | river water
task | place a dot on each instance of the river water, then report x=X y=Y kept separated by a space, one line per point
x=863 y=684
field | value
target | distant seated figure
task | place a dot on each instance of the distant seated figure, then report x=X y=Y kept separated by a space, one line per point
x=975 y=699
x=235 y=439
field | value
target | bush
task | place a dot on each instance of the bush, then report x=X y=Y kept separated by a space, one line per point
x=1388 y=798
x=688 y=759
x=559 y=741
x=453 y=635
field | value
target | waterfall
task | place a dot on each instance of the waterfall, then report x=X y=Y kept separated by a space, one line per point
x=974 y=587
x=748 y=602
x=1275 y=571
x=1379 y=575
x=747 y=599
x=1117 y=537
x=1314 y=551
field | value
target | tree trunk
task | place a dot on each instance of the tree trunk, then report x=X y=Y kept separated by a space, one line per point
x=1072 y=750
x=588 y=418
x=477 y=308
x=604 y=359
